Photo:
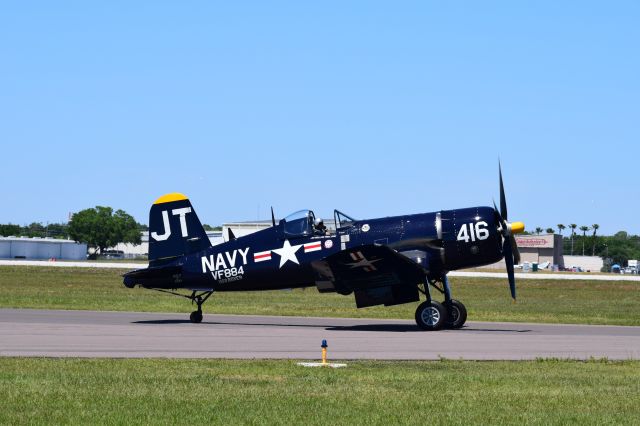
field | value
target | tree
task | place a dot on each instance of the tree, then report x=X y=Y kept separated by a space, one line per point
x=34 y=230
x=538 y=230
x=57 y=230
x=573 y=227
x=10 y=230
x=620 y=248
x=584 y=230
x=549 y=231
x=100 y=228
x=561 y=228
x=595 y=227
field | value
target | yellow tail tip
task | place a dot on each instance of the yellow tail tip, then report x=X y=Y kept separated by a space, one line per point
x=517 y=227
x=173 y=196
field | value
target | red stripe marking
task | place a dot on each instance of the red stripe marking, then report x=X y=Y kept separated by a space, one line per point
x=312 y=245
x=260 y=256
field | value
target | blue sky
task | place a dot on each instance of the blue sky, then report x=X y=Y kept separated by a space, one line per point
x=374 y=108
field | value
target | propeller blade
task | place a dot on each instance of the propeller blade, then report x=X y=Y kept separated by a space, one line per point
x=273 y=217
x=503 y=197
x=508 y=260
x=514 y=247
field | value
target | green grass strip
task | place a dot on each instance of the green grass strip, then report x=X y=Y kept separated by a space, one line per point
x=153 y=391
x=579 y=302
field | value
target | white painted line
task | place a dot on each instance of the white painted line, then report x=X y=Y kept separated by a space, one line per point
x=577 y=276
x=79 y=264
x=319 y=364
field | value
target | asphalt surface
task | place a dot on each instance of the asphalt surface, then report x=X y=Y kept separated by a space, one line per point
x=25 y=332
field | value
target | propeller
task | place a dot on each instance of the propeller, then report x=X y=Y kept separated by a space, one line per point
x=509 y=246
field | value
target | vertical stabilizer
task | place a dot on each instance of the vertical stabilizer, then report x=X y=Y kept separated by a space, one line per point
x=174 y=228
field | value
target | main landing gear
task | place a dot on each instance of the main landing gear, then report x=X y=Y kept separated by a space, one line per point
x=196 y=297
x=432 y=315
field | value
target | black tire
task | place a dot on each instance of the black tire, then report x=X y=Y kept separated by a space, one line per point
x=456 y=314
x=431 y=316
x=196 y=317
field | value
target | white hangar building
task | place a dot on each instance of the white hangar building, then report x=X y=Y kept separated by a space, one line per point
x=41 y=248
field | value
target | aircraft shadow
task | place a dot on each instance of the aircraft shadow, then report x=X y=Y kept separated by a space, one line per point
x=362 y=327
x=495 y=330
x=398 y=328
x=412 y=328
x=186 y=321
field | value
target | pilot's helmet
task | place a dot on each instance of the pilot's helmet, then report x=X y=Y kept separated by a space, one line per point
x=317 y=222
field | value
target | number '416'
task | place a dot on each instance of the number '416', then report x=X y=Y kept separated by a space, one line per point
x=473 y=232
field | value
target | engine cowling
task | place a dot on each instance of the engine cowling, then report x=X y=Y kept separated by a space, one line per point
x=470 y=237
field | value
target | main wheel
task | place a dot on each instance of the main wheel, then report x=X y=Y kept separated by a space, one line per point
x=457 y=314
x=196 y=317
x=431 y=316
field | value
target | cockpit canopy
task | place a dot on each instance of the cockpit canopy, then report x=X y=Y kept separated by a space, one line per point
x=342 y=220
x=303 y=223
x=299 y=223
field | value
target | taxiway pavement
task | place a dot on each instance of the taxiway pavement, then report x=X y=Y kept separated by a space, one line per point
x=25 y=332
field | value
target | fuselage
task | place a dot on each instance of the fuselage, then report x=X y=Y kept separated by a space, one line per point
x=280 y=256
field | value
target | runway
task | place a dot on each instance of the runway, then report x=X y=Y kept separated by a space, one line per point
x=25 y=332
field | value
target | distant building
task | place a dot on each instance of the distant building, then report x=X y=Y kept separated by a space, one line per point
x=41 y=248
x=587 y=263
x=549 y=248
x=537 y=249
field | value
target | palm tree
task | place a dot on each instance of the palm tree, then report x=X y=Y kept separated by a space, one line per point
x=584 y=230
x=573 y=227
x=549 y=231
x=595 y=227
x=561 y=228
x=538 y=230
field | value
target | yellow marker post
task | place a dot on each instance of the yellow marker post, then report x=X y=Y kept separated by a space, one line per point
x=324 y=351
x=324 y=362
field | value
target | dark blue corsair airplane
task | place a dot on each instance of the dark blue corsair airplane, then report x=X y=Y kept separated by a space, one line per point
x=385 y=261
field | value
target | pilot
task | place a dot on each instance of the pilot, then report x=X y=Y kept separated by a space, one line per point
x=320 y=229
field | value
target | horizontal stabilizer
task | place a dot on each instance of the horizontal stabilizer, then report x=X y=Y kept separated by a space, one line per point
x=154 y=276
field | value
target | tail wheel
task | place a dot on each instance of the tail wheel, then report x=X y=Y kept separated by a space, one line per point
x=196 y=316
x=431 y=316
x=457 y=314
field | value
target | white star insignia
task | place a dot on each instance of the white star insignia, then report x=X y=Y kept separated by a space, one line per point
x=287 y=252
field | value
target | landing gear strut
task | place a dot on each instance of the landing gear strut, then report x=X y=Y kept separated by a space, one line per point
x=195 y=297
x=431 y=315
x=196 y=316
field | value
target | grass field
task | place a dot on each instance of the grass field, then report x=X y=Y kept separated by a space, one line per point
x=103 y=391
x=486 y=299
